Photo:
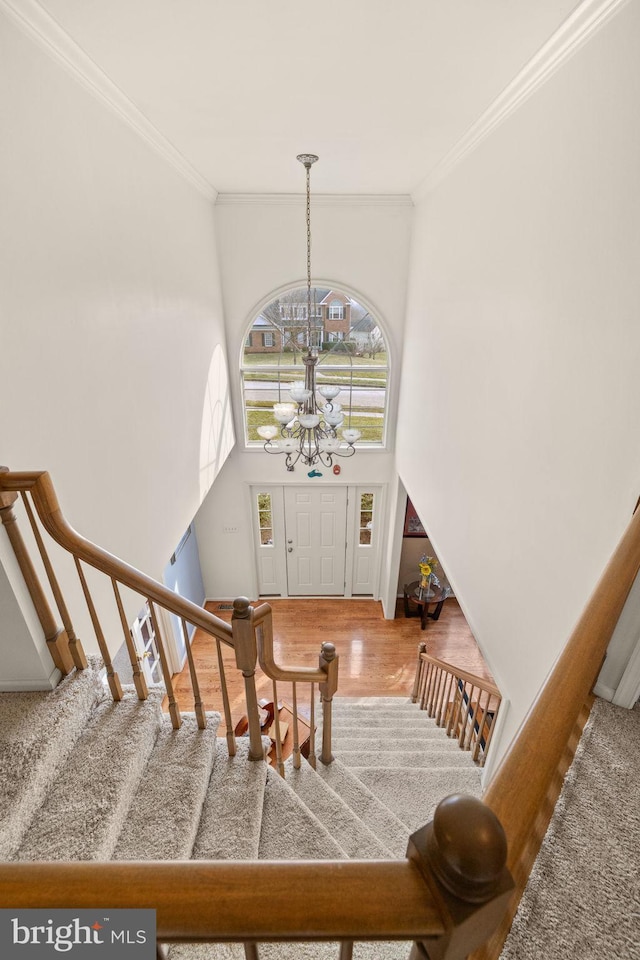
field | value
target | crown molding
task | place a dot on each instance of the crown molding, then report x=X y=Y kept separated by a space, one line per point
x=580 y=26
x=318 y=199
x=34 y=21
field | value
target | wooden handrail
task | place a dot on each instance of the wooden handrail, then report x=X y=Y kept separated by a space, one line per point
x=253 y=641
x=527 y=775
x=46 y=502
x=448 y=893
x=521 y=782
x=260 y=617
x=486 y=685
x=216 y=900
x=281 y=672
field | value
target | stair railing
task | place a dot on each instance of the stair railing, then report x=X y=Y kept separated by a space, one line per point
x=250 y=633
x=40 y=502
x=446 y=896
x=467 y=705
x=253 y=639
x=527 y=783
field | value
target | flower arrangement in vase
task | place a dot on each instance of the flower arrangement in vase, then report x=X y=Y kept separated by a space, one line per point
x=426 y=566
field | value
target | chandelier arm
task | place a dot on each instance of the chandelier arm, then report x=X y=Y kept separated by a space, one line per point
x=349 y=452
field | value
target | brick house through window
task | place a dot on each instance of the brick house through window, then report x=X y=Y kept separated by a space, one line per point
x=283 y=322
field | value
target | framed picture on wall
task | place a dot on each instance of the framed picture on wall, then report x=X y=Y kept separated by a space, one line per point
x=412 y=524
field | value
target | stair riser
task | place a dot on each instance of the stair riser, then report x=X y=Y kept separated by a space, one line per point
x=395 y=739
x=384 y=747
x=359 y=715
x=394 y=731
x=348 y=829
x=229 y=827
x=429 y=761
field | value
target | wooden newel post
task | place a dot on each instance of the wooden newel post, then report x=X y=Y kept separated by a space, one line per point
x=422 y=648
x=328 y=662
x=244 y=642
x=462 y=855
x=56 y=639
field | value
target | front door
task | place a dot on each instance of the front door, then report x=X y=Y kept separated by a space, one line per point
x=315 y=530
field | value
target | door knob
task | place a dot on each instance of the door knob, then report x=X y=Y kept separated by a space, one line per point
x=289 y=549
x=289 y=541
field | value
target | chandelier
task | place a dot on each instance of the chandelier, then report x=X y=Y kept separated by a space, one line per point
x=308 y=426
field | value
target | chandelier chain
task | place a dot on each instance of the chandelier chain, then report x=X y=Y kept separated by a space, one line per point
x=308 y=169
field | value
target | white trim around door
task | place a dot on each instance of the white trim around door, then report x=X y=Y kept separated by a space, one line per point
x=317 y=539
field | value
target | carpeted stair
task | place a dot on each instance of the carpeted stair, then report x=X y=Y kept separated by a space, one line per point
x=85 y=808
x=37 y=732
x=583 y=895
x=395 y=777
x=85 y=778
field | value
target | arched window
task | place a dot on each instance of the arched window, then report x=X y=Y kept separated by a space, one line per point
x=353 y=358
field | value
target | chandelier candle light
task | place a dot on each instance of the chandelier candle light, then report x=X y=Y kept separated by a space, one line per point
x=308 y=428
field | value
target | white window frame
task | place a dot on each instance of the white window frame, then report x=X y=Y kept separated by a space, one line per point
x=324 y=367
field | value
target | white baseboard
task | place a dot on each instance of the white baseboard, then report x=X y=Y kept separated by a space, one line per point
x=602 y=690
x=18 y=686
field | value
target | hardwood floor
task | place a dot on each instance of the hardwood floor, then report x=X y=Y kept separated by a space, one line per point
x=377 y=656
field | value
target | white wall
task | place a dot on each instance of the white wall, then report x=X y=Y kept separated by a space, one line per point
x=110 y=312
x=362 y=248
x=522 y=351
x=26 y=661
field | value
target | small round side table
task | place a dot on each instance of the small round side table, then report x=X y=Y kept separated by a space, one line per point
x=412 y=600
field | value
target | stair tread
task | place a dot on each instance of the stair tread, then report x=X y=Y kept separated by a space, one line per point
x=355 y=838
x=37 y=732
x=414 y=794
x=163 y=818
x=75 y=822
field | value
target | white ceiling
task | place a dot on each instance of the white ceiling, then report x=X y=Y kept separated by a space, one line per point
x=380 y=89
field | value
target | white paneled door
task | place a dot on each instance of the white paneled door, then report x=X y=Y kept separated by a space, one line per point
x=315 y=530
